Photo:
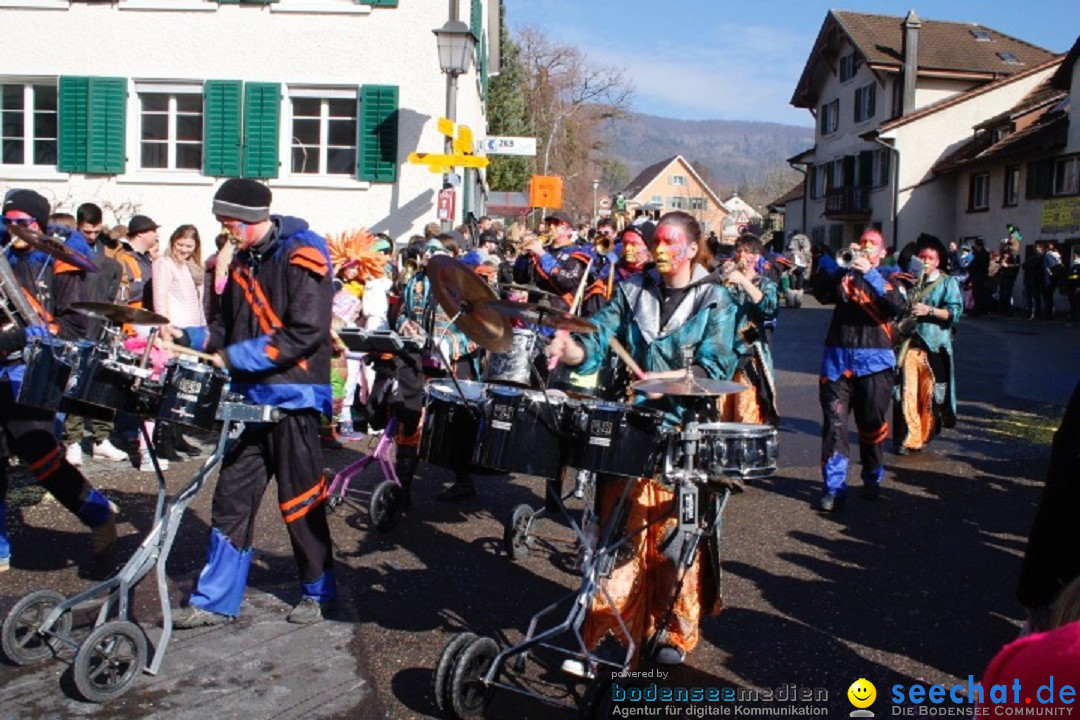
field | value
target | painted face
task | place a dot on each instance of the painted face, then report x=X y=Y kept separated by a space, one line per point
x=930 y=259
x=672 y=248
x=18 y=217
x=183 y=248
x=239 y=232
x=634 y=252
x=874 y=247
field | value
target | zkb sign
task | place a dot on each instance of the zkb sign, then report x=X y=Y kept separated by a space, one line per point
x=508 y=146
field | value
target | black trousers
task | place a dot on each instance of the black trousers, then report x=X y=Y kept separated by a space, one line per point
x=289 y=452
x=869 y=398
x=28 y=433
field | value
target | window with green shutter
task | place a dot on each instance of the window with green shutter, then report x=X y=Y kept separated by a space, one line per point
x=382 y=3
x=262 y=118
x=476 y=19
x=483 y=66
x=93 y=123
x=377 y=140
x=222 y=136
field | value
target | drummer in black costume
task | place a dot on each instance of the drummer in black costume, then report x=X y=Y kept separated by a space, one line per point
x=29 y=432
x=658 y=316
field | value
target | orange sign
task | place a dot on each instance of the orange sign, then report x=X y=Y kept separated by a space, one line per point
x=545 y=191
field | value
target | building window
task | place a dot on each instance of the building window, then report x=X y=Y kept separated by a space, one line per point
x=979 y=192
x=849 y=66
x=657 y=200
x=882 y=158
x=1009 y=59
x=1012 y=186
x=830 y=117
x=170 y=130
x=677 y=180
x=676 y=202
x=836 y=177
x=817 y=189
x=322 y=132
x=980 y=35
x=1065 y=177
x=698 y=203
x=27 y=124
x=864 y=102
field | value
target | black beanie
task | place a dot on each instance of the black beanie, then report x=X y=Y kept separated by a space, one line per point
x=242 y=199
x=31 y=203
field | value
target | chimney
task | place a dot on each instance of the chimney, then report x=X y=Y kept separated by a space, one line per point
x=912 y=23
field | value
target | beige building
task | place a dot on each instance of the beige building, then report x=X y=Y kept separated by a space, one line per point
x=892 y=96
x=673 y=184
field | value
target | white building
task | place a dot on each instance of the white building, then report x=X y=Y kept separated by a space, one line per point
x=145 y=106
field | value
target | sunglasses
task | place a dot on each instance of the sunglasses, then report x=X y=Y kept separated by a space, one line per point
x=21 y=222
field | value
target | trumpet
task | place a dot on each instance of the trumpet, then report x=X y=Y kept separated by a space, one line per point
x=730 y=266
x=604 y=244
x=848 y=256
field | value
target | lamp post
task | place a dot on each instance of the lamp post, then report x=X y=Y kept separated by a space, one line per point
x=456 y=46
x=595 y=185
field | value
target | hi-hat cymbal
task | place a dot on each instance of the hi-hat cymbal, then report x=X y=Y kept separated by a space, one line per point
x=52 y=246
x=690 y=386
x=119 y=314
x=537 y=314
x=464 y=297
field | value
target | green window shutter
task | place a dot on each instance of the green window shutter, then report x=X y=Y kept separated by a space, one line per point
x=377 y=144
x=467 y=200
x=106 y=126
x=222 y=139
x=228 y=2
x=262 y=119
x=476 y=19
x=382 y=3
x=73 y=109
x=483 y=66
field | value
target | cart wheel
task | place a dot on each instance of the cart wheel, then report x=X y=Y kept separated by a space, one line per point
x=467 y=692
x=441 y=678
x=21 y=641
x=385 y=505
x=109 y=659
x=596 y=703
x=516 y=537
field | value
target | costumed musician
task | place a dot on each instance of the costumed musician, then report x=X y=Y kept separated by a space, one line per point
x=655 y=315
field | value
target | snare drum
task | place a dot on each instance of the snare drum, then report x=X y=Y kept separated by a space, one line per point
x=515 y=365
x=104 y=379
x=452 y=424
x=618 y=439
x=191 y=393
x=743 y=450
x=523 y=433
x=48 y=368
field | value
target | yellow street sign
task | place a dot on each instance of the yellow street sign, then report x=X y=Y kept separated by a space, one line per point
x=440 y=163
x=463 y=143
x=446 y=127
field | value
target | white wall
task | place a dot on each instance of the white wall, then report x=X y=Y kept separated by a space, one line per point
x=201 y=40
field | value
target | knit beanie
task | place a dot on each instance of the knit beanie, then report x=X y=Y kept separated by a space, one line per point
x=31 y=203
x=242 y=199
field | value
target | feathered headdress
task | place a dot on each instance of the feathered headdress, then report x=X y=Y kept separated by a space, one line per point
x=357 y=247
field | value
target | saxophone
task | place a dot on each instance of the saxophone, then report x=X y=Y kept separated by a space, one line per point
x=15 y=309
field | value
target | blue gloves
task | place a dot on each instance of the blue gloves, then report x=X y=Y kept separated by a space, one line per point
x=35 y=332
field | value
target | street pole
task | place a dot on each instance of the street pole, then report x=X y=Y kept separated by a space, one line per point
x=448 y=145
x=595 y=185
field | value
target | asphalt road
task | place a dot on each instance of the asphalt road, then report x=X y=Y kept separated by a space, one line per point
x=913 y=588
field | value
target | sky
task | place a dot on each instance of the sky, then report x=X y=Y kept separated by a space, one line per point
x=723 y=60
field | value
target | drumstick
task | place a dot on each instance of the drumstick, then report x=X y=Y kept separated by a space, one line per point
x=578 y=297
x=625 y=356
x=166 y=345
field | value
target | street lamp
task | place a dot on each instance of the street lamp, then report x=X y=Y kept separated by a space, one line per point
x=595 y=185
x=456 y=46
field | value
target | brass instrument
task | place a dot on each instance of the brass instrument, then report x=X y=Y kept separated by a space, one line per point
x=16 y=309
x=848 y=256
x=408 y=268
x=604 y=244
x=546 y=237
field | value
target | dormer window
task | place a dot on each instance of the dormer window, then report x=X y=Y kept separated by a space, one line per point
x=980 y=35
x=849 y=65
x=1008 y=58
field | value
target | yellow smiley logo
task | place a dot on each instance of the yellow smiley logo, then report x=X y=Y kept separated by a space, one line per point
x=862 y=693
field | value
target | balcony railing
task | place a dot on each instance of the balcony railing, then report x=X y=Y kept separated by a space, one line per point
x=852 y=200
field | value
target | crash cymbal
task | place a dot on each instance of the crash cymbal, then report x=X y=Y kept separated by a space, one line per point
x=464 y=297
x=549 y=297
x=52 y=246
x=537 y=314
x=119 y=314
x=690 y=386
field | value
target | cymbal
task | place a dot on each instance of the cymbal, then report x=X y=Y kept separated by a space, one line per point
x=119 y=314
x=533 y=290
x=52 y=246
x=464 y=297
x=691 y=386
x=537 y=314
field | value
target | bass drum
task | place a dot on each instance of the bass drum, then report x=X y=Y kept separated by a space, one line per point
x=452 y=424
x=523 y=433
x=618 y=439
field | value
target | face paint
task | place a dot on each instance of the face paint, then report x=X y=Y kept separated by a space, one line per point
x=635 y=254
x=672 y=248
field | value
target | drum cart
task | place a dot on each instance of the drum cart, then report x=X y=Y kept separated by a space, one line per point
x=384 y=503
x=109 y=659
x=470 y=667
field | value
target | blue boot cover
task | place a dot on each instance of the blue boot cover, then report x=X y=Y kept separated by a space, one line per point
x=95 y=509
x=834 y=474
x=873 y=477
x=324 y=590
x=5 y=546
x=221 y=583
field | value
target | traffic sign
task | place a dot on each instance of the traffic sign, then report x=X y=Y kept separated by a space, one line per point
x=605 y=202
x=439 y=163
x=509 y=146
